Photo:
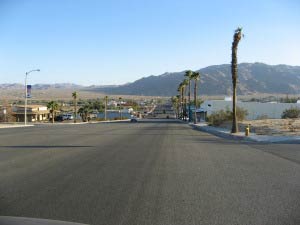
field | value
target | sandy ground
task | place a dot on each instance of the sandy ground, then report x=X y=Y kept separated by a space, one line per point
x=288 y=127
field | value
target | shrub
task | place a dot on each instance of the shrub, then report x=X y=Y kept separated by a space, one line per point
x=291 y=113
x=219 y=117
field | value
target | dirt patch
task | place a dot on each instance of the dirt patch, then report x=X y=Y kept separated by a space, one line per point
x=279 y=127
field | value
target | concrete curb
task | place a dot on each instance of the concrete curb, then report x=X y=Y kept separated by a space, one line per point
x=78 y=123
x=219 y=133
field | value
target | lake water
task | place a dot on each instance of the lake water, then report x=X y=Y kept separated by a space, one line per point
x=113 y=115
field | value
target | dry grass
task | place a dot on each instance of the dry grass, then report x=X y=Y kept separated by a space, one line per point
x=285 y=127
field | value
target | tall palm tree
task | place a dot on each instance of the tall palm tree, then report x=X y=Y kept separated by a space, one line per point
x=120 y=112
x=188 y=75
x=180 y=90
x=105 y=109
x=175 y=101
x=195 y=77
x=236 y=39
x=75 y=95
x=53 y=106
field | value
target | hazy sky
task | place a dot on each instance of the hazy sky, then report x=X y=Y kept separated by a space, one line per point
x=114 y=42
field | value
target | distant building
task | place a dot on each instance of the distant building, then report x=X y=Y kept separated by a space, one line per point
x=34 y=113
x=256 y=110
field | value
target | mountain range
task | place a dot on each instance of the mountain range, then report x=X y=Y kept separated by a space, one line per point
x=253 y=78
x=216 y=80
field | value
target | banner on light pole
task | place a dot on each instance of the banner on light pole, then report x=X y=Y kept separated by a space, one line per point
x=28 y=91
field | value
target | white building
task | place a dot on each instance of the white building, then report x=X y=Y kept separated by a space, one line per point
x=255 y=110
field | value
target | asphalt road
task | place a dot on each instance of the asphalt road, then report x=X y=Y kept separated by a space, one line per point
x=146 y=173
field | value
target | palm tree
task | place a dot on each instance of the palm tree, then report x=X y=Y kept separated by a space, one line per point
x=120 y=112
x=105 y=107
x=195 y=77
x=185 y=83
x=236 y=39
x=74 y=95
x=188 y=75
x=180 y=99
x=84 y=112
x=181 y=88
x=175 y=101
x=53 y=106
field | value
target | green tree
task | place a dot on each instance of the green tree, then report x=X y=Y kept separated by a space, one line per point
x=175 y=103
x=75 y=95
x=85 y=111
x=188 y=75
x=105 y=107
x=180 y=113
x=195 y=77
x=98 y=105
x=236 y=39
x=53 y=107
x=185 y=84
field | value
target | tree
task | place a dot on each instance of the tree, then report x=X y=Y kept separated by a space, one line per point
x=175 y=103
x=53 y=106
x=85 y=111
x=120 y=112
x=236 y=39
x=75 y=95
x=181 y=89
x=188 y=75
x=180 y=112
x=105 y=107
x=195 y=77
x=97 y=105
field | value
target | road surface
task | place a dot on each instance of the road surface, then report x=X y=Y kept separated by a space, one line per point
x=146 y=173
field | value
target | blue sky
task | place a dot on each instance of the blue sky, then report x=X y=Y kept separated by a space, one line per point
x=118 y=41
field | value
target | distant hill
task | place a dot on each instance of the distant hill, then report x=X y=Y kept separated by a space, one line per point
x=254 y=78
x=216 y=80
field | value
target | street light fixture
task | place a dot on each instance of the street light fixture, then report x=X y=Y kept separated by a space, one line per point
x=25 y=108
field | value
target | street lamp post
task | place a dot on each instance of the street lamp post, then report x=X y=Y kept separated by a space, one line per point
x=25 y=108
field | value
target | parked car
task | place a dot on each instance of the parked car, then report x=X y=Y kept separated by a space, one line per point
x=133 y=120
x=70 y=117
x=59 y=118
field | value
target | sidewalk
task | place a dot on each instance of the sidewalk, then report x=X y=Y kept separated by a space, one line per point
x=13 y=125
x=220 y=132
x=18 y=125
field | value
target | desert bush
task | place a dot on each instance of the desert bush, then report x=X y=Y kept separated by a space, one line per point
x=262 y=117
x=291 y=113
x=219 y=117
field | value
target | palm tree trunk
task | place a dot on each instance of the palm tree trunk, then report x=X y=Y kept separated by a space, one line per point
x=182 y=104
x=236 y=38
x=195 y=102
x=234 y=128
x=75 y=109
x=52 y=116
x=190 y=119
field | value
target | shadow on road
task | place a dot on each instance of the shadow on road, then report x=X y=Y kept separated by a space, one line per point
x=47 y=146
